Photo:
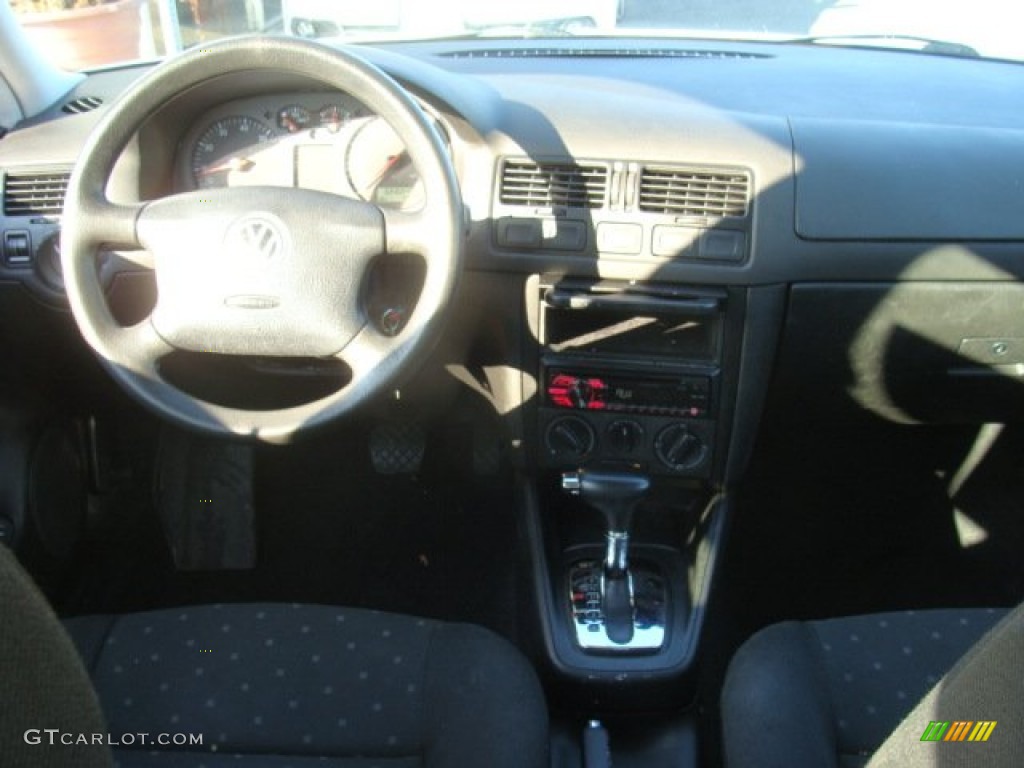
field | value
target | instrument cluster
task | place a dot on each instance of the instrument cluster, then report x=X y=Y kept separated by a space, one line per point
x=326 y=141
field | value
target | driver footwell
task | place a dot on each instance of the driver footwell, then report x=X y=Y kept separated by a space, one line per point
x=327 y=529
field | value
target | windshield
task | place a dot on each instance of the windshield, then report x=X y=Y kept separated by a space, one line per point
x=81 y=34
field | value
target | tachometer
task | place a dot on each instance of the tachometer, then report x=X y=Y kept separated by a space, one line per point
x=226 y=147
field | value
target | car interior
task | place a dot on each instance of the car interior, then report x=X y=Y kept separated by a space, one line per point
x=581 y=401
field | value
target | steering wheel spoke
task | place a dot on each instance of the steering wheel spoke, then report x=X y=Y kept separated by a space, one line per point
x=365 y=352
x=114 y=225
x=404 y=231
x=139 y=348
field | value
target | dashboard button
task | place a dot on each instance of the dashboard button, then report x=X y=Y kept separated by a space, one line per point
x=519 y=233
x=675 y=242
x=723 y=246
x=17 y=249
x=626 y=239
x=564 y=235
x=555 y=234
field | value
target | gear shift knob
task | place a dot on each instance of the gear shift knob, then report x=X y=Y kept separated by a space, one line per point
x=615 y=495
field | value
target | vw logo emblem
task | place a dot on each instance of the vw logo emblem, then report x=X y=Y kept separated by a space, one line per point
x=257 y=238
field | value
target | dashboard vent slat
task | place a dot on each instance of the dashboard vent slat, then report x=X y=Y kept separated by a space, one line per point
x=543 y=185
x=35 y=194
x=695 y=192
x=82 y=105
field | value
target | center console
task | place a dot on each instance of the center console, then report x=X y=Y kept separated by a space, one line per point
x=634 y=386
x=630 y=376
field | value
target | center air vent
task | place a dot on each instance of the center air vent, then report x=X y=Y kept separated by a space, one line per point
x=684 y=191
x=35 y=194
x=546 y=185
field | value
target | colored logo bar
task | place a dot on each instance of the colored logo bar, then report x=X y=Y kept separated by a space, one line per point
x=958 y=730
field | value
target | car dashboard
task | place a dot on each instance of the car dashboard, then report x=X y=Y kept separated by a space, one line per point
x=668 y=243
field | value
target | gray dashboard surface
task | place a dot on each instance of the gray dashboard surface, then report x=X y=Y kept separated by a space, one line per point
x=886 y=145
x=858 y=180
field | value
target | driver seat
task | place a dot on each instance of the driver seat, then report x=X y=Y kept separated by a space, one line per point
x=265 y=684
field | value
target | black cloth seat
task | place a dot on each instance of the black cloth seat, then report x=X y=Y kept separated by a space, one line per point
x=830 y=693
x=262 y=684
x=298 y=683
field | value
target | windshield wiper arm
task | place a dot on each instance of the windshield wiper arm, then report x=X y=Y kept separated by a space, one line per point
x=928 y=44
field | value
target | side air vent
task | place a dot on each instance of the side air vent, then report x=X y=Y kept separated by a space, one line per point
x=81 y=105
x=544 y=185
x=35 y=194
x=694 y=191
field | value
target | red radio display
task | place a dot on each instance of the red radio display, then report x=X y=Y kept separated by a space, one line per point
x=686 y=396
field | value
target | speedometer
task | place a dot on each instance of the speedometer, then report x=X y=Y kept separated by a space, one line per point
x=227 y=147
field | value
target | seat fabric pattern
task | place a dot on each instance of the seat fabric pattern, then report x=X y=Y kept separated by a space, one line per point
x=828 y=693
x=294 y=684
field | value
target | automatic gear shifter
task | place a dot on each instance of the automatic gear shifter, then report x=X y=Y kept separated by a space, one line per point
x=615 y=495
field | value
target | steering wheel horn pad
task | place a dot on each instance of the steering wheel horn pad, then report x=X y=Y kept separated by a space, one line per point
x=261 y=271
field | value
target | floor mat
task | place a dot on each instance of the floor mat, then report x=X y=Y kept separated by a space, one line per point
x=204 y=496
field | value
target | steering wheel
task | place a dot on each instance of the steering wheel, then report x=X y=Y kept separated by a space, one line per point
x=257 y=270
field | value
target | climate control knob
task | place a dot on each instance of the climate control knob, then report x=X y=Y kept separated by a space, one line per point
x=678 y=448
x=625 y=436
x=569 y=438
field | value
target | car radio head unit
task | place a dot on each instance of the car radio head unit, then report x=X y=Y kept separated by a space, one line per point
x=629 y=376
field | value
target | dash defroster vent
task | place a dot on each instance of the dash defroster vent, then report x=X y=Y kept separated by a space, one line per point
x=82 y=104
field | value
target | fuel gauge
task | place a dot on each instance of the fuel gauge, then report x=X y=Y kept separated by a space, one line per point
x=294 y=118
